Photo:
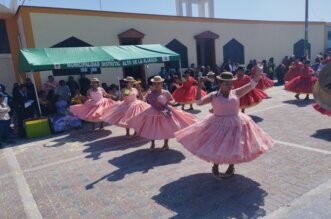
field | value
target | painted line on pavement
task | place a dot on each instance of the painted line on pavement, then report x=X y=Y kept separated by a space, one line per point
x=30 y=206
x=303 y=147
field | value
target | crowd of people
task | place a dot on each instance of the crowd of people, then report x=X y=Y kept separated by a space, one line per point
x=151 y=112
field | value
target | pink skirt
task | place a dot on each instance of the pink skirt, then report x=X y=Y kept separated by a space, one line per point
x=318 y=108
x=225 y=139
x=154 y=125
x=120 y=113
x=91 y=111
x=301 y=84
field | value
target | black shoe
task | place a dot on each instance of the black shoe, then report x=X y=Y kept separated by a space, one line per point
x=297 y=96
x=215 y=170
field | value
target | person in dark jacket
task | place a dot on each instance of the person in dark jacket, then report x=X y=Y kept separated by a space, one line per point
x=25 y=107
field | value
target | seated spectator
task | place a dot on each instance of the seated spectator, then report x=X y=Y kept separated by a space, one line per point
x=209 y=82
x=72 y=84
x=114 y=91
x=78 y=98
x=105 y=87
x=176 y=83
x=63 y=91
x=45 y=105
x=61 y=106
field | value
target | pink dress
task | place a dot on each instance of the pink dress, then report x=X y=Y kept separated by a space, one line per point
x=226 y=137
x=160 y=121
x=119 y=113
x=94 y=108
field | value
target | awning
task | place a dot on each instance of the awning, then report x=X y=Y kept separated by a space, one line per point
x=43 y=59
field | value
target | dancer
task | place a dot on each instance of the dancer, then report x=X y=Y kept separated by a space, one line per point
x=294 y=70
x=303 y=83
x=228 y=136
x=187 y=92
x=160 y=121
x=92 y=110
x=253 y=97
x=264 y=82
x=121 y=112
x=318 y=108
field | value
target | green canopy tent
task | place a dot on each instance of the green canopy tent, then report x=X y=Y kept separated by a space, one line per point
x=44 y=59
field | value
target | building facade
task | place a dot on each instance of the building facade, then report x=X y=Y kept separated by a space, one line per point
x=203 y=41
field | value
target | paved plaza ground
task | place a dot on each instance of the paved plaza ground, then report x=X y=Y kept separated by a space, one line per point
x=102 y=174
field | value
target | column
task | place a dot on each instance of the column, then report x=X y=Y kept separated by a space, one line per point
x=188 y=8
x=211 y=8
x=202 y=9
x=179 y=7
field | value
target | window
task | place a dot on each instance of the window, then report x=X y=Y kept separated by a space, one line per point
x=329 y=35
x=181 y=49
x=4 y=43
x=234 y=51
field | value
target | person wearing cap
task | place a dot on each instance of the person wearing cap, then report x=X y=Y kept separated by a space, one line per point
x=130 y=106
x=4 y=120
x=160 y=121
x=97 y=104
x=254 y=96
x=209 y=82
x=228 y=136
x=187 y=92
x=294 y=70
x=304 y=83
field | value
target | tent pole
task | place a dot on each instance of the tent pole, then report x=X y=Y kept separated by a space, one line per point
x=146 y=75
x=35 y=90
x=180 y=67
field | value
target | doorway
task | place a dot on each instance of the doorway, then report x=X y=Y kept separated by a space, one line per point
x=206 y=55
x=133 y=37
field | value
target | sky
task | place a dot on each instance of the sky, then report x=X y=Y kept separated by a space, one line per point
x=280 y=10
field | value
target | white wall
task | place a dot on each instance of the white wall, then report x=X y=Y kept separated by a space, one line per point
x=262 y=40
x=7 y=75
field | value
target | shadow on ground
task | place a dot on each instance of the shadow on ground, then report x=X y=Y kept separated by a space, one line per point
x=324 y=134
x=202 y=196
x=96 y=148
x=139 y=161
x=195 y=111
x=300 y=103
x=256 y=119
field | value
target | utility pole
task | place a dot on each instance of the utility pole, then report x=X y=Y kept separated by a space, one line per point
x=306 y=45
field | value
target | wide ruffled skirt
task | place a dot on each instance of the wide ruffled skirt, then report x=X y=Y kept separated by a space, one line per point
x=318 y=108
x=291 y=74
x=154 y=125
x=301 y=84
x=120 y=113
x=264 y=83
x=252 y=98
x=187 y=95
x=225 y=139
x=91 y=111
